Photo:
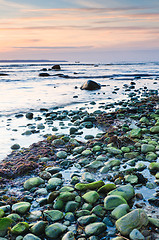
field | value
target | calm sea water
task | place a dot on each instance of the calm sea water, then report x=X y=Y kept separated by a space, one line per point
x=23 y=90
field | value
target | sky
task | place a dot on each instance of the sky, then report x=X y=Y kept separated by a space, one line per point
x=80 y=30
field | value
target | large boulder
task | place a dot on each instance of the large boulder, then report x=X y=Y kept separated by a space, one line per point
x=56 y=67
x=90 y=85
x=133 y=220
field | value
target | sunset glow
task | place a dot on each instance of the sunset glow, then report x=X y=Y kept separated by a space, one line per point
x=30 y=31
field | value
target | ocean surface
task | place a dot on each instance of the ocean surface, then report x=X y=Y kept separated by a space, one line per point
x=22 y=90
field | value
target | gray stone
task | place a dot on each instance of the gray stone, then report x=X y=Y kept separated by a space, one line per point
x=135 y=219
x=136 y=235
x=145 y=148
x=69 y=236
x=87 y=176
x=71 y=206
x=38 y=228
x=91 y=197
x=30 y=236
x=53 y=183
x=120 y=211
x=85 y=220
x=53 y=215
x=54 y=231
x=95 y=229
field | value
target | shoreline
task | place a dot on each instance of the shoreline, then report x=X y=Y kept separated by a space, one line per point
x=113 y=156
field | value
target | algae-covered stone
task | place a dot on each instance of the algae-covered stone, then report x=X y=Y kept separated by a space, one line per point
x=144 y=120
x=136 y=133
x=85 y=220
x=112 y=163
x=66 y=196
x=154 y=167
x=61 y=154
x=114 y=150
x=151 y=156
x=154 y=129
x=21 y=207
x=69 y=236
x=135 y=219
x=120 y=211
x=99 y=211
x=126 y=191
x=131 y=179
x=33 y=182
x=95 y=164
x=131 y=155
x=38 y=228
x=71 y=206
x=140 y=166
x=106 y=188
x=54 y=231
x=14 y=216
x=89 y=186
x=53 y=215
x=145 y=148
x=95 y=229
x=20 y=228
x=157 y=175
x=5 y=223
x=154 y=221
x=78 y=149
x=53 y=183
x=31 y=236
x=136 y=235
x=1 y=213
x=86 y=152
x=111 y=202
x=125 y=149
x=91 y=197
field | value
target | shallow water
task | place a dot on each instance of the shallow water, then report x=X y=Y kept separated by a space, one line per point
x=23 y=90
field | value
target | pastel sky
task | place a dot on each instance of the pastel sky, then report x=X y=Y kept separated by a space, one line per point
x=84 y=30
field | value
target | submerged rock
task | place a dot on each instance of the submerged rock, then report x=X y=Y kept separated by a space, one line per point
x=90 y=85
x=56 y=67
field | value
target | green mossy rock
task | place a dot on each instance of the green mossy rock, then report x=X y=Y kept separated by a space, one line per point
x=54 y=231
x=125 y=149
x=95 y=229
x=33 y=182
x=85 y=220
x=144 y=120
x=20 y=228
x=21 y=207
x=89 y=186
x=53 y=183
x=113 y=201
x=95 y=165
x=38 y=228
x=66 y=196
x=71 y=206
x=91 y=197
x=135 y=219
x=136 y=133
x=126 y=191
x=14 y=216
x=151 y=156
x=1 y=213
x=145 y=148
x=120 y=211
x=114 y=151
x=86 y=152
x=154 y=221
x=136 y=235
x=133 y=179
x=131 y=155
x=112 y=163
x=154 y=129
x=154 y=167
x=53 y=215
x=107 y=188
x=5 y=223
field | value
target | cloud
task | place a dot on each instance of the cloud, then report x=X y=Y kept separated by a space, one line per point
x=55 y=48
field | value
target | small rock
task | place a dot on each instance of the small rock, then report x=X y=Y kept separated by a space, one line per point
x=136 y=235
x=54 y=231
x=95 y=229
x=111 y=202
x=91 y=197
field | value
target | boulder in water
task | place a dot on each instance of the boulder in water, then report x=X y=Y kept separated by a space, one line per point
x=44 y=74
x=56 y=67
x=90 y=85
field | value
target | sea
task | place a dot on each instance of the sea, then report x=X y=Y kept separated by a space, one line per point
x=23 y=90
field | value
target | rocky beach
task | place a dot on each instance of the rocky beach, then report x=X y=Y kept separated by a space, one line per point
x=91 y=168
